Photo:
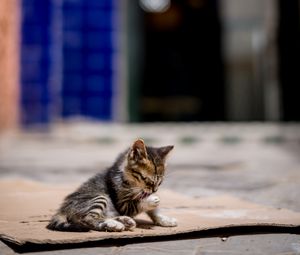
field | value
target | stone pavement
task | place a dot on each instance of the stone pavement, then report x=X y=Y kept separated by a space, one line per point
x=257 y=162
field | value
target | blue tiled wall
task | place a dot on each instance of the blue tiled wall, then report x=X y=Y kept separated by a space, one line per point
x=86 y=50
x=87 y=47
x=35 y=61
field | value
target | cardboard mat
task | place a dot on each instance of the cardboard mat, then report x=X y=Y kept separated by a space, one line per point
x=26 y=207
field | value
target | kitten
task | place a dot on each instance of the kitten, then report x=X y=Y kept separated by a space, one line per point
x=109 y=200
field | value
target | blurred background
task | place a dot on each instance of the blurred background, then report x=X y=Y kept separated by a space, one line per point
x=148 y=61
x=81 y=79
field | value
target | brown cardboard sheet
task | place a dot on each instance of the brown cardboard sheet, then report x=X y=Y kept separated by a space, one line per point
x=26 y=207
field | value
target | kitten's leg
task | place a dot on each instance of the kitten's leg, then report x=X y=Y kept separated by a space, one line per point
x=111 y=225
x=96 y=219
x=161 y=220
x=150 y=206
x=128 y=222
x=150 y=203
x=101 y=224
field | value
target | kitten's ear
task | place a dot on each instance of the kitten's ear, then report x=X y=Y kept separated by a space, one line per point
x=164 y=151
x=138 y=150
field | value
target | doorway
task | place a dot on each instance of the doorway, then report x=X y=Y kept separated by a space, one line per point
x=176 y=61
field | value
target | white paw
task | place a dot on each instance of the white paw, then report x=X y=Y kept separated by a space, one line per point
x=112 y=225
x=128 y=222
x=153 y=201
x=166 y=221
x=150 y=203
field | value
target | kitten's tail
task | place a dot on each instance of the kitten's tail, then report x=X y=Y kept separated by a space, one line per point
x=59 y=222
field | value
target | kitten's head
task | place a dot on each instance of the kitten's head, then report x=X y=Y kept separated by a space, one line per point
x=145 y=168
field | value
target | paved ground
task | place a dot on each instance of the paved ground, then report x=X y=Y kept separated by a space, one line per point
x=257 y=162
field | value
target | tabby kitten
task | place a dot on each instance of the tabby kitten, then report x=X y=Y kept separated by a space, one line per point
x=109 y=200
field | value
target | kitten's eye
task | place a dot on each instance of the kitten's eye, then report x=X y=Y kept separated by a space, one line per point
x=143 y=177
x=149 y=182
x=138 y=175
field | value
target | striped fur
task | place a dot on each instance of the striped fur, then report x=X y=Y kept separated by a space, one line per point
x=109 y=200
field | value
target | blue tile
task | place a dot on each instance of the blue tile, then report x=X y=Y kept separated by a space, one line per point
x=73 y=3
x=73 y=60
x=35 y=91
x=71 y=106
x=34 y=112
x=98 y=107
x=98 y=40
x=72 y=39
x=30 y=54
x=31 y=92
x=99 y=19
x=99 y=3
x=96 y=83
x=30 y=74
x=73 y=19
x=95 y=61
x=72 y=84
x=37 y=13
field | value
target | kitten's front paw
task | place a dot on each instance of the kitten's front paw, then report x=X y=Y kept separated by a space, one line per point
x=150 y=203
x=111 y=226
x=128 y=222
x=165 y=221
x=153 y=201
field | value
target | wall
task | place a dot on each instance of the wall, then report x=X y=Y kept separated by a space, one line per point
x=9 y=68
